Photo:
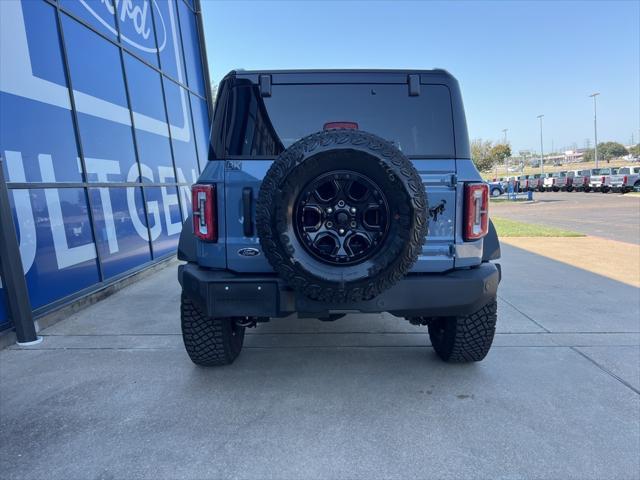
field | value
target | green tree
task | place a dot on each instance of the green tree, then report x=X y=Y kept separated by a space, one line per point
x=481 y=154
x=500 y=152
x=635 y=150
x=609 y=150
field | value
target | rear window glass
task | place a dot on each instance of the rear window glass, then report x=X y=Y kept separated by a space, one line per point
x=263 y=126
x=623 y=171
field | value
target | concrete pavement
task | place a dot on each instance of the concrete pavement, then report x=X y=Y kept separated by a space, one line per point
x=110 y=393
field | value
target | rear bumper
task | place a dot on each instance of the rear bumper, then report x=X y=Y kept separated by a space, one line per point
x=229 y=294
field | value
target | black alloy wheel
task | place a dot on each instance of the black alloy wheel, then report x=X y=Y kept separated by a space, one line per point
x=342 y=217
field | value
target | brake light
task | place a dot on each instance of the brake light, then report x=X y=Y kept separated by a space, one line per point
x=205 y=222
x=602 y=180
x=334 y=125
x=624 y=180
x=553 y=181
x=476 y=201
x=585 y=180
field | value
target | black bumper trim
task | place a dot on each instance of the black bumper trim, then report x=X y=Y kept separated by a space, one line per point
x=229 y=294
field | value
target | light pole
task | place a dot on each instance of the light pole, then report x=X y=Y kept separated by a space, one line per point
x=506 y=160
x=541 y=148
x=595 y=127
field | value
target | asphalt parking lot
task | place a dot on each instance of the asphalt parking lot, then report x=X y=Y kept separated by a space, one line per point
x=610 y=215
x=111 y=394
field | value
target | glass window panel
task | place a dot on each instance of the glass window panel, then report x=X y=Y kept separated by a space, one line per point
x=108 y=150
x=97 y=13
x=420 y=125
x=94 y=64
x=165 y=220
x=43 y=40
x=55 y=137
x=171 y=48
x=191 y=46
x=120 y=229
x=103 y=117
x=183 y=138
x=137 y=33
x=56 y=243
x=202 y=128
x=145 y=90
x=25 y=153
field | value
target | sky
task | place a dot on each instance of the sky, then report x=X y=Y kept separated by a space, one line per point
x=514 y=60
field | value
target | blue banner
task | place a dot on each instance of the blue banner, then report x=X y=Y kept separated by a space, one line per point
x=135 y=114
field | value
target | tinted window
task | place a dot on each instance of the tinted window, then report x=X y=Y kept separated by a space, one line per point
x=624 y=171
x=419 y=125
x=97 y=13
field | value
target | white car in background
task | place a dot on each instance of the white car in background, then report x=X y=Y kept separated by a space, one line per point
x=599 y=179
x=626 y=180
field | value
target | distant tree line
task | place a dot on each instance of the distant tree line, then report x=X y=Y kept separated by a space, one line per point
x=608 y=151
x=485 y=154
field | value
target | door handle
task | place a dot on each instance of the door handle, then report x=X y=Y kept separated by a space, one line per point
x=247 y=200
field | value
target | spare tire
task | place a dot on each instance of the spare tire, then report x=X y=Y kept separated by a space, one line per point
x=342 y=215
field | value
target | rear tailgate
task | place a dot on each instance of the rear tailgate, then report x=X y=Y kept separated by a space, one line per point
x=262 y=125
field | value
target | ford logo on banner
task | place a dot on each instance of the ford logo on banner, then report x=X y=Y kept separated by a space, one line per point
x=138 y=13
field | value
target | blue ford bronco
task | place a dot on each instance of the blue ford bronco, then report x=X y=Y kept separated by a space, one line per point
x=330 y=192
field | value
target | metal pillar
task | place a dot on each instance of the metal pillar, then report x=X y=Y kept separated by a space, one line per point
x=595 y=127
x=14 y=283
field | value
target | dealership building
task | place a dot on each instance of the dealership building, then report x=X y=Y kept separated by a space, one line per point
x=104 y=123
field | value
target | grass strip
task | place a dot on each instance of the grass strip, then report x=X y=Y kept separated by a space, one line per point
x=513 y=228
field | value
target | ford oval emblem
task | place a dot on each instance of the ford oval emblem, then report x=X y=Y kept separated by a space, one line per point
x=249 y=252
x=138 y=13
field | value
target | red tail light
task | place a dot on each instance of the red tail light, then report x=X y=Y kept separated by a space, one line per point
x=585 y=180
x=553 y=181
x=602 y=179
x=624 y=180
x=476 y=206
x=205 y=222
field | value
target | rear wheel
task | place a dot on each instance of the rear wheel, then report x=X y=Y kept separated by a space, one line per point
x=466 y=338
x=496 y=192
x=209 y=341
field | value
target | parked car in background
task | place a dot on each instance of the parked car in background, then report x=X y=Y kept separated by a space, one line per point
x=605 y=180
x=579 y=180
x=541 y=179
x=597 y=178
x=524 y=182
x=535 y=182
x=512 y=184
x=555 y=182
x=563 y=181
x=626 y=180
x=495 y=188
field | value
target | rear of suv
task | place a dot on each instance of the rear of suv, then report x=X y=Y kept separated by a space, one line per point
x=330 y=192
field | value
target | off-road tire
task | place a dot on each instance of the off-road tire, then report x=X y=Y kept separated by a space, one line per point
x=466 y=338
x=209 y=341
x=313 y=156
